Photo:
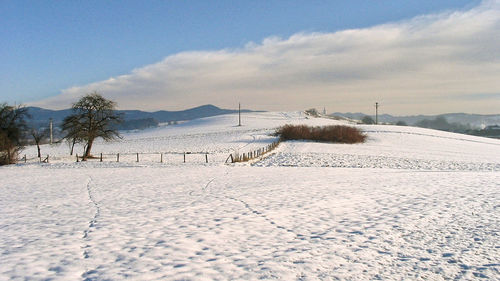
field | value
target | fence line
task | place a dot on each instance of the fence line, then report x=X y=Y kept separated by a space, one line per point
x=25 y=159
x=252 y=154
x=138 y=154
x=101 y=157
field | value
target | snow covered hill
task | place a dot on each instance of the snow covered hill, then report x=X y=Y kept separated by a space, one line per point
x=410 y=203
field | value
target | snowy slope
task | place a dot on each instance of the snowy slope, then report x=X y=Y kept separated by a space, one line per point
x=395 y=147
x=409 y=203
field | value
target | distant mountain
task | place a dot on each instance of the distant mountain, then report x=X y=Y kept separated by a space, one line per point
x=474 y=120
x=190 y=114
x=41 y=114
x=40 y=117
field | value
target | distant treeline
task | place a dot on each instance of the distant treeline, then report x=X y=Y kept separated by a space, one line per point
x=137 y=124
x=440 y=123
x=486 y=132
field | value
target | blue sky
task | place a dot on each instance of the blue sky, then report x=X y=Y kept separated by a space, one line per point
x=49 y=47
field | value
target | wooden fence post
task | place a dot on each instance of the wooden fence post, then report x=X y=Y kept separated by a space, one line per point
x=161 y=157
x=118 y=157
x=206 y=157
x=184 y=157
x=137 y=156
x=101 y=157
x=24 y=158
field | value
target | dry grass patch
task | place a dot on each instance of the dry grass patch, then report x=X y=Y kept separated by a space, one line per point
x=334 y=134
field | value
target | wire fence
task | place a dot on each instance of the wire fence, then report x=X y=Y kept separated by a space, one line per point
x=158 y=157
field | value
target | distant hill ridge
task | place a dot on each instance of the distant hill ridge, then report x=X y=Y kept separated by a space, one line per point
x=41 y=116
x=474 y=120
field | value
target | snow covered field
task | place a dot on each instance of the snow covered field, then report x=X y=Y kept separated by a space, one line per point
x=409 y=203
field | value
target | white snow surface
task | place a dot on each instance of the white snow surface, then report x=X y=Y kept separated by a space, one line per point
x=408 y=204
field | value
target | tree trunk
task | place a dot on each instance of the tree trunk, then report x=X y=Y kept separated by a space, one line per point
x=38 y=147
x=72 y=146
x=87 y=150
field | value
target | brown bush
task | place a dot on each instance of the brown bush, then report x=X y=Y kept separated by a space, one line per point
x=335 y=134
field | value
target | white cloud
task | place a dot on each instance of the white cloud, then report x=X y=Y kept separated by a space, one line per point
x=428 y=64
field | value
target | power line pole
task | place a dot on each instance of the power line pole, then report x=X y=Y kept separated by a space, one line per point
x=239 y=114
x=376 y=113
x=50 y=126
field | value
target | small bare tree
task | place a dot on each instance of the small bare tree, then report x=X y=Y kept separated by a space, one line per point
x=367 y=120
x=39 y=135
x=71 y=128
x=93 y=117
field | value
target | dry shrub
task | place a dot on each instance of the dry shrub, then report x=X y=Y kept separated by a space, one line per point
x=334 y=134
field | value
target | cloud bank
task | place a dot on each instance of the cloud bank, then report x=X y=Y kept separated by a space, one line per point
x=429 y=64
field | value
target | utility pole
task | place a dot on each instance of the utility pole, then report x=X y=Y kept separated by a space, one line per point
x=239 y=114
x=50 y=128
x=376 y=113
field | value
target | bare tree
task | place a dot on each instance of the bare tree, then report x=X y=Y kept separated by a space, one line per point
x=73 y=134
x=12 y=129
x=93 y=117
x=39 y=135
